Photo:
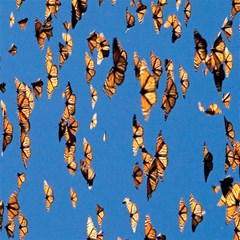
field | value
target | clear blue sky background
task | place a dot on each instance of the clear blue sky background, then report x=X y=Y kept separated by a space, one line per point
x=185 y=130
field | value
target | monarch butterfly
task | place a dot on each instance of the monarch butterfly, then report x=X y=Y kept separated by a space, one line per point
x=141 y=11
x=147 y=160
x=100 y=214
x=149 y=232
x=25 y=148
x=23 y=108
x=178 y=2
x=227 y=28
x=156 y=67
x=70 y=150
x=47 y=27
x=10 y=228
x=11 y=19
x=226 y=98
x=177 y=28
x=102 y=47
x=182 y=214
x=13 y=49
x=208 y=161
x=105 y=136
x=148 y=90
x=52 y=80
x=67 y=38
x=215 y=189
x=72 y=126
x=161 y=155
x=2 y=87
x=73 y=196
x=237 y=227
x=183 y=80
x=72 y=166
x=133 y=3
x=63 y=56
x=133 y=212
x=52 y=7
x=94 y=96
x=67 y=25
x=90 y=68
x=63 y=123
x=231 y=159
x=93 y=123
x=137 y=65
x=70 y=99
x=13 y=206
x=213 y=109
x=162 y=3
x=19 y=3
x=79 y=7
x=138 y=140
x=1 y=213
x=232 y=202
x=25 y=126
x=157 y=16
x=116 y=74
x=91 y=230
x=23 y=225
x=92 y=41
x=40 y=33
x=230 y=133
x=187 y=11
x=235 y=8
x=152 y=179
x=21 y=177
x=87 y=152
x=226 y=185
x=48 y=191
x=227 y=61
x=88 y=173
x=37 y=88
x=137 y=175
x=130 y=19
x=201 y=49
x=169 y=97
x=169 y=66
x=7 y=132
x=22 y=23
x=197 y=212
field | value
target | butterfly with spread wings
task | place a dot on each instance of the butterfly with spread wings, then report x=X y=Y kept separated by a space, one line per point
x=49 y=197
x=137 y=175
x=79 y=7
x=23 y=225
x=100 y=214
x=187 y=11
x=149 y=232
x=182 y=214
x=157 y=16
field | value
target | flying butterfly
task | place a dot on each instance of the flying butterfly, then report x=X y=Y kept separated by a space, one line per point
x=230 y=133
x=147 y=160
x=73 y=196
x=170 y=97
x=91 y=230
x=200 y=49
x=90 y=68
x=228 y=64
x=138 y=140
x=178 y=2
x=52 y=80
x=13 y=206
x=11 y=19
x=70 y=99
x=176 y=25
x=182 y=214
x=130 y=19
x=13 y=49
x=215 y=189
x=23 y=226
x=169 y=66
x=152 y=179
x=148 y=90
x=137 y=175
x=218 y=76
x=235 y=8
x=227 y=28
x=208 y=161
x=49 y=197
x=94 y=96
x=67 y=25
x=52 y=7
x=157 y=16
x=88 y=173
x=156 y=67
x=213 y=109
x=102 y=46
x=21 y=177
x=37 y=88
x=92 y=41
x=71 y=166
x=187 y=11
x=161 y=156
x=105 y=136
x=22 y=23
x=100 y=214
x=149 y=232
x=141 y=11
x=137 y=65
x=87 y=152
x=10 y=228
x=19 y=3
x=1 y=213
x=93 y=123
x=3 y=87
x=197 y=212
x=25 y=147
x=133 y=212
x=79 y=7
x=226 y=98
x=231 y=159
x=183 y=80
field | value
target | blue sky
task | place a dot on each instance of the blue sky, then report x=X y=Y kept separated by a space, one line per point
x=185 y=130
